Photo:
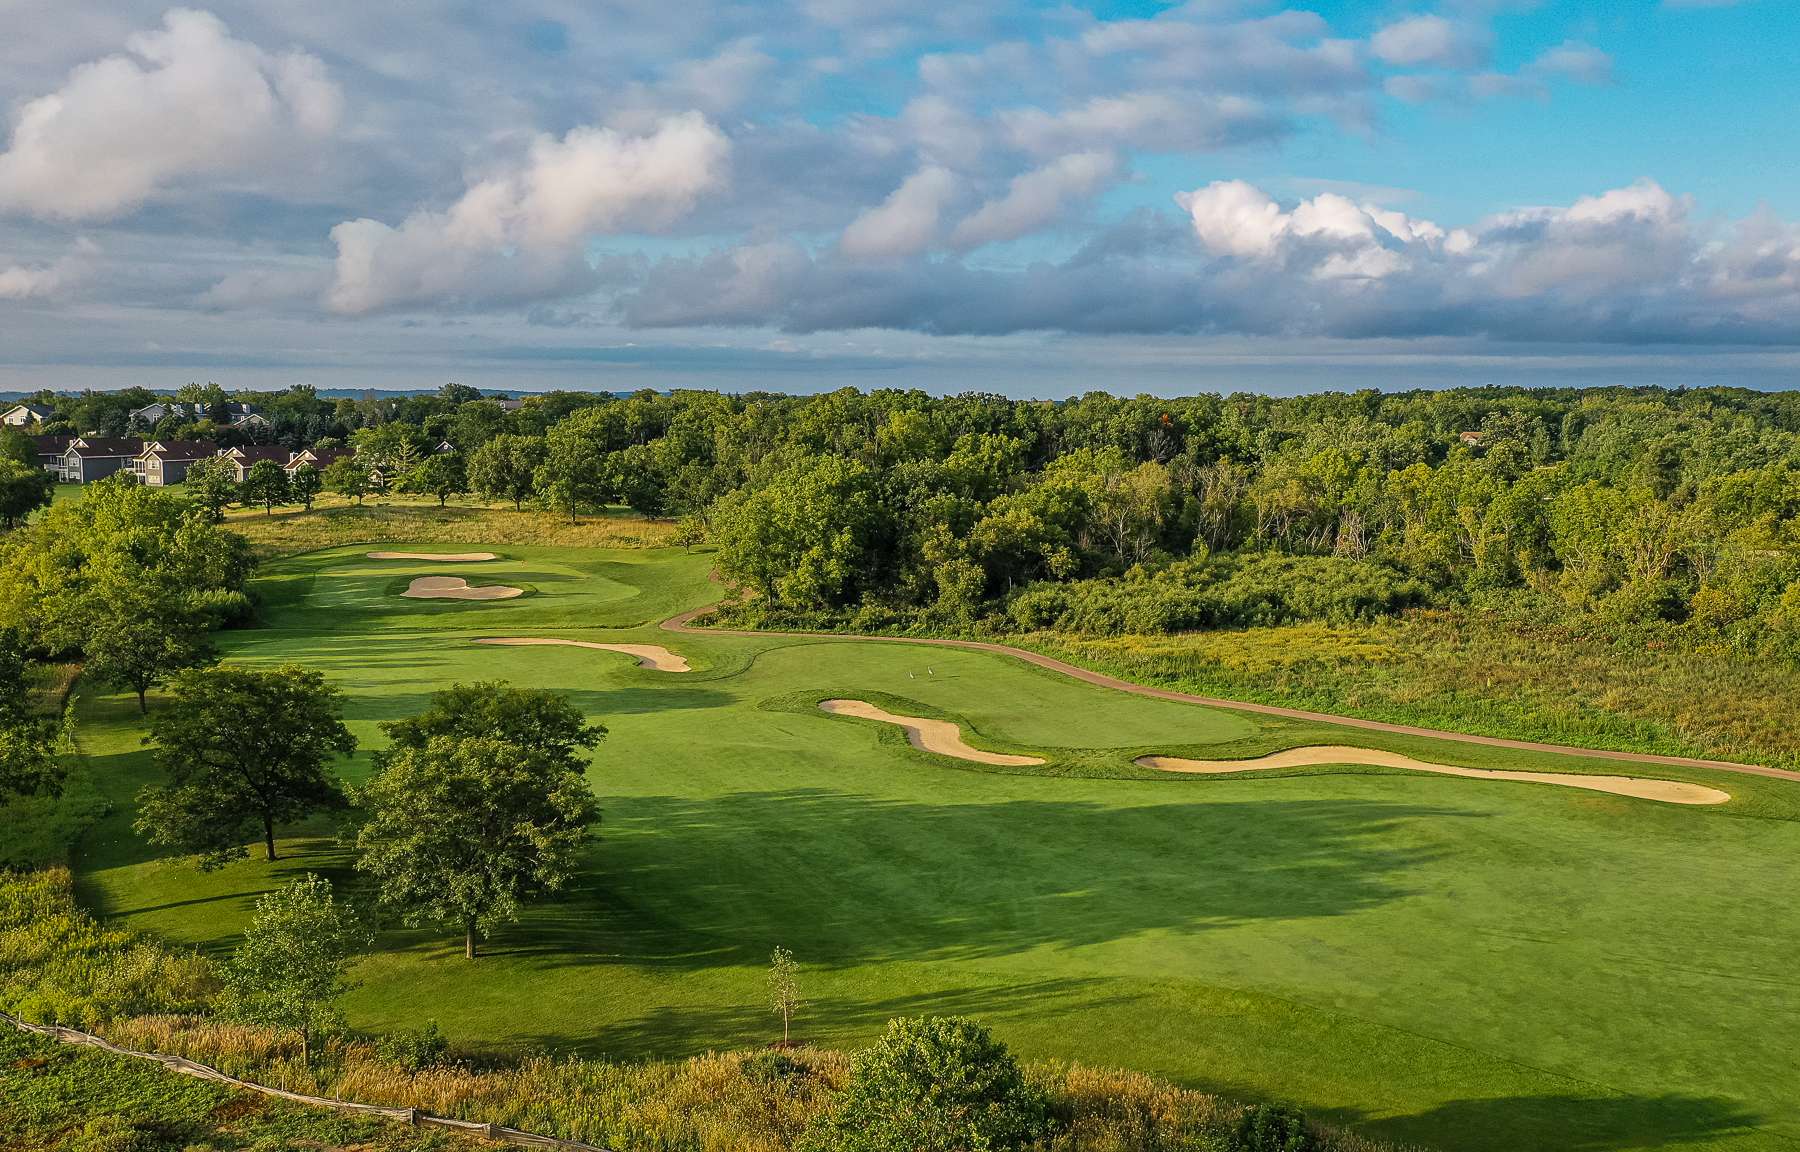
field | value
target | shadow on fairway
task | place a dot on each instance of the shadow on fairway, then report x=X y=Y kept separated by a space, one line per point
x=675 y=1032
x=1574 y=1123
x=689 y=884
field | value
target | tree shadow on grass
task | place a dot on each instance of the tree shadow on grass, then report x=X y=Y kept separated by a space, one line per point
x=686 y=883
x=1572 y=1123
x=677 y=1031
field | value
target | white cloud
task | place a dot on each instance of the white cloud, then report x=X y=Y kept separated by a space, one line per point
x=188 y=101
x=1037 y=198
x=1235 y=218
x=46 y=281
x=907 y=222
x=1575 y=60
x=519 y=234
x=1161 y=121
x=1428 y=40
x=1329 y=236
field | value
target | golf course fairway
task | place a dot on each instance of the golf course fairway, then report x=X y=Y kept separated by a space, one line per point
x=1467 y=964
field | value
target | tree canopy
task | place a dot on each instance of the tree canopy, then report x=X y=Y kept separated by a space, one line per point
x=289 y=970
x=481 y=803
x=244 y=750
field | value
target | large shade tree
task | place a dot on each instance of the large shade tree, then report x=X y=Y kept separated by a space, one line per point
x=481 y=804
x=505 y=468
x=245 y=750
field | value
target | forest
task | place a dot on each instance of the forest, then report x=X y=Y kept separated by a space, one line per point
x=1639 y=513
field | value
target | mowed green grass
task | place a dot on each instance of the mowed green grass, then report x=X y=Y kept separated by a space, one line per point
x=1461 y=963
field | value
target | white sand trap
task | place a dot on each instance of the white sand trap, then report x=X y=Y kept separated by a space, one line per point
x=457 y=557
x=940 y=736
x=456 y=588
x=648 y=655
x=1668 y=791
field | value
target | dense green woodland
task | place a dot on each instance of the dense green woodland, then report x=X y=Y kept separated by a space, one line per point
x=1640 y=513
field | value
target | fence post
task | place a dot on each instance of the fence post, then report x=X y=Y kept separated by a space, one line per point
x=412 y=1117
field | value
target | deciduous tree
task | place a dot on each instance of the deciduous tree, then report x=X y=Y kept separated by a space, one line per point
x=266 y=484
x=212 y=484
x=464 y=830
x=348 y=476
x=439 y=475
x=304 y=485
x=24 y=488
x=505 y=468
x=244 y=750
x=480 y=803
x=289 y=971
x=784 y=987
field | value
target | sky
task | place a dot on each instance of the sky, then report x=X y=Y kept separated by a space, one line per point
x=1032 y=199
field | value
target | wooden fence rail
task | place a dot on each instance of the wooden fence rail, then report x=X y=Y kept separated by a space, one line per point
x=403 y=1115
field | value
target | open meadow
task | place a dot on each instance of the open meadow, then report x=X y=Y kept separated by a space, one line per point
x=1472 y=964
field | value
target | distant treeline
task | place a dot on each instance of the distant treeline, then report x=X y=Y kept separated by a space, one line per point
x=1632 y=509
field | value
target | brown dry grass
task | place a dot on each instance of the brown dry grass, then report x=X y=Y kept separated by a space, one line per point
x=294 y=531
x=1478 y=672
x=719 y=1102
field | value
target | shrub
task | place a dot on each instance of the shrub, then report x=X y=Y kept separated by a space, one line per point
x=416 y=1051
x=937 y=1084
x=1274 y=1128
x=59 y=966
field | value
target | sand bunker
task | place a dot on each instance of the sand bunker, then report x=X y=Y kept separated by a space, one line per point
x=1668 y=791
x=648 y=655
x=456 y=588
x=457 y=557
x=940 y=736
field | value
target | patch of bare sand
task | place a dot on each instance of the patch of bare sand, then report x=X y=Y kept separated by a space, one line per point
x=458 y=557
x=1668 y=791
x=653 y=656
x=940 y=736
x=456 y=588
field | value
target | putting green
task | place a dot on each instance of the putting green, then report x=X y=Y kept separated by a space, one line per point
x=1438 y=960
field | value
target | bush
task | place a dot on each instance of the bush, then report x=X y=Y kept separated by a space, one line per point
x=416 y=1051
x=1217 y=592
x=937 y=1084
x=59 y=966
x=1274 y=1128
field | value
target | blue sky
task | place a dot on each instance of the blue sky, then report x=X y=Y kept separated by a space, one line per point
x=1030 y=198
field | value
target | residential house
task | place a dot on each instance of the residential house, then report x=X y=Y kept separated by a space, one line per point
x=90 y=458
x=234 y=414
x=21 y=415
x=50 y=451
x=318 y=459
x=165 y=462
x=247 y=457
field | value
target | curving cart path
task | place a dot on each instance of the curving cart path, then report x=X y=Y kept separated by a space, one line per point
x=683 y=623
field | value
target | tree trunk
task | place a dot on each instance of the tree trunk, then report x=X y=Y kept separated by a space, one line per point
x=269 y=837
x=469 y=939
x=143 y=706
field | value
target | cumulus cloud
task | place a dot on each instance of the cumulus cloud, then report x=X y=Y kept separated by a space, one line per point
x=1428 y=40
x=907 y=222
x=519 y=235
x=1627 y=265
x=186 y=101
x=1037 y=198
